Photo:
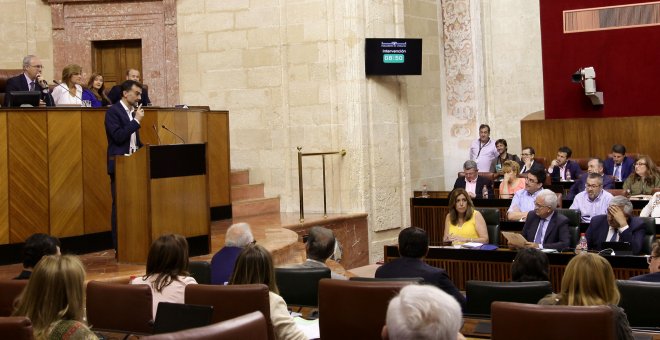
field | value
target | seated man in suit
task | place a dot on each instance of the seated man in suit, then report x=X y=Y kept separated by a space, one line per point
x=654 y=266
x=472 y=182
x=544 y=228
x=595 y=166
x=131 y=74
x=617 y=226
x=593 y=201
x=528 y=164
x=619 y=165
x=30 y=80
x=320 y=246
x=238 y=236
x=523 y=200
x=563 y=168
x=413 y=246
x=438 y=317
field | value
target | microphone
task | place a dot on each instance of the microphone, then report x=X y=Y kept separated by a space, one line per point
x=156 y=131
x=172 y=132
x=67 y=90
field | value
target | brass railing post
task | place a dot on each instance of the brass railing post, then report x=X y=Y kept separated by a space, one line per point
x=300 y=179
x=300 y=185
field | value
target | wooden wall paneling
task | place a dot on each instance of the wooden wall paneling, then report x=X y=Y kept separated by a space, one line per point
x=167 y=118
x=133 y=195
x=218 y=160
x=147 y=132
x=196 y=126
x=28 y=174
x=646 y=129
x=65 y=173
x=180 y=205
x=97 y=199
x=4 y=184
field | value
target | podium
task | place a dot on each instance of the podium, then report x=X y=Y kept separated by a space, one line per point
x=162 y=189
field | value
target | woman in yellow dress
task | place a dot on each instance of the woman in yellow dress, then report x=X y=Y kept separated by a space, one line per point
x=463 y=223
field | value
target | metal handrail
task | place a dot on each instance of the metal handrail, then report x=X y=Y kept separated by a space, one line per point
x=300 y=178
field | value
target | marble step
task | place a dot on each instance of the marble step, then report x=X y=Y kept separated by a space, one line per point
x=247 y=191
x=257 y=206
x=239 y=177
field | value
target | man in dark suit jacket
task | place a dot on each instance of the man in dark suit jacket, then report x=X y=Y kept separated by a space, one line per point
x=122 y=122
x=413 y=246
x=29 y=80
x=619 y=165
x=471 y=175
x=619 y=220
x=527 y=163
x=654 y=266
x=554 y=234
x=115 y=93
x=563 y=163
x=595 y=165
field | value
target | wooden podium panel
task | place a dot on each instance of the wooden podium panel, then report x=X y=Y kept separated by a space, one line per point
x=219 y=173
x=65 y=174
x=28 y=174
x=97 y=200
x=4 y=181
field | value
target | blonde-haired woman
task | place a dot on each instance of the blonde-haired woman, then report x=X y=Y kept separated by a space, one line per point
x=511 y=183
x=69 y=91
x=589 y=281
x=54 y=299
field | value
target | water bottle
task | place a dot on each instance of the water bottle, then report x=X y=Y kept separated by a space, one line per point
x=582 y=245
x=425 y=191
x=484 y=192
x=568 y=175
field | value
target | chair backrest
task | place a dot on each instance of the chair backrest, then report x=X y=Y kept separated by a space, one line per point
x=518 y=321
x=583 y=163
x=16 y=328
x=120 y=308
x=249 y=326
x=174 y=317
x=649 y=235
x=5 y=74
x=574 y=216
x=200 y=271
x=9 y=291
x=300 y=286
x=492 y=218
x=480 y=294
x=418 y=280
x=231 y=301
x=636 y=301
x=354 y=309
x=615 y=192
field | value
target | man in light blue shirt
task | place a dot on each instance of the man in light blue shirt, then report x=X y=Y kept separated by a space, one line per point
x=523 y=200
x=594 y=200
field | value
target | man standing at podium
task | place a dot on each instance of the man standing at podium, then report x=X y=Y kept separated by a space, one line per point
x=122 y=122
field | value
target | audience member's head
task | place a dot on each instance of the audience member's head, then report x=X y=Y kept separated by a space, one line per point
x=501 y=146
x=167 y=260
x=131 y=91
x=238 y=235
x=588 y=281
x=624 y=204
x=527 y=154
x=320 y=244
x=534 y=180
x=254 y=265
x=511 y=167
x=97 y=86
x=563 y=154
x=413 y=242
x=645 y=169
x=545 y=203
x=133 y=74
x=55 y=292
x=39 y=245
x=32 y=66
x=594 y=185
x=460 y=205
x=595 y=165
x=654 y=258
x=618 y=153
x=484 y=133
x=72 y=75
x=422 y=312
x=470 y=170
x=530 y=265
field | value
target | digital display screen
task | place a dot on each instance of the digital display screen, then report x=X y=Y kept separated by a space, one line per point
x=393 y=56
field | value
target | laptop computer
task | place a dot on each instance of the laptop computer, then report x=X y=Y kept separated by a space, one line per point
x=619 y=248
x=174 y=317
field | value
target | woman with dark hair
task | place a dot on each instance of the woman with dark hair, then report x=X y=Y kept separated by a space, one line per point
x=69 y=91
x=167 y=270
x=37 y=246
x=589 y=281
x=530 y=265
x=255 y=265
x=54 y=299
x=644 y=178
x=463 y=223
x=95 y=91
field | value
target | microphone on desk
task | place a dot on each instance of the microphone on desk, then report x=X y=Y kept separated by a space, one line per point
x=67 y=89
x=156 y=131
x=183 y=141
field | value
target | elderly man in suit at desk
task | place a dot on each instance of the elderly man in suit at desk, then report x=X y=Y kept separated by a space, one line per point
x=30 y=80
x=617 y=226
x=544 y=228
x=472 y=182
